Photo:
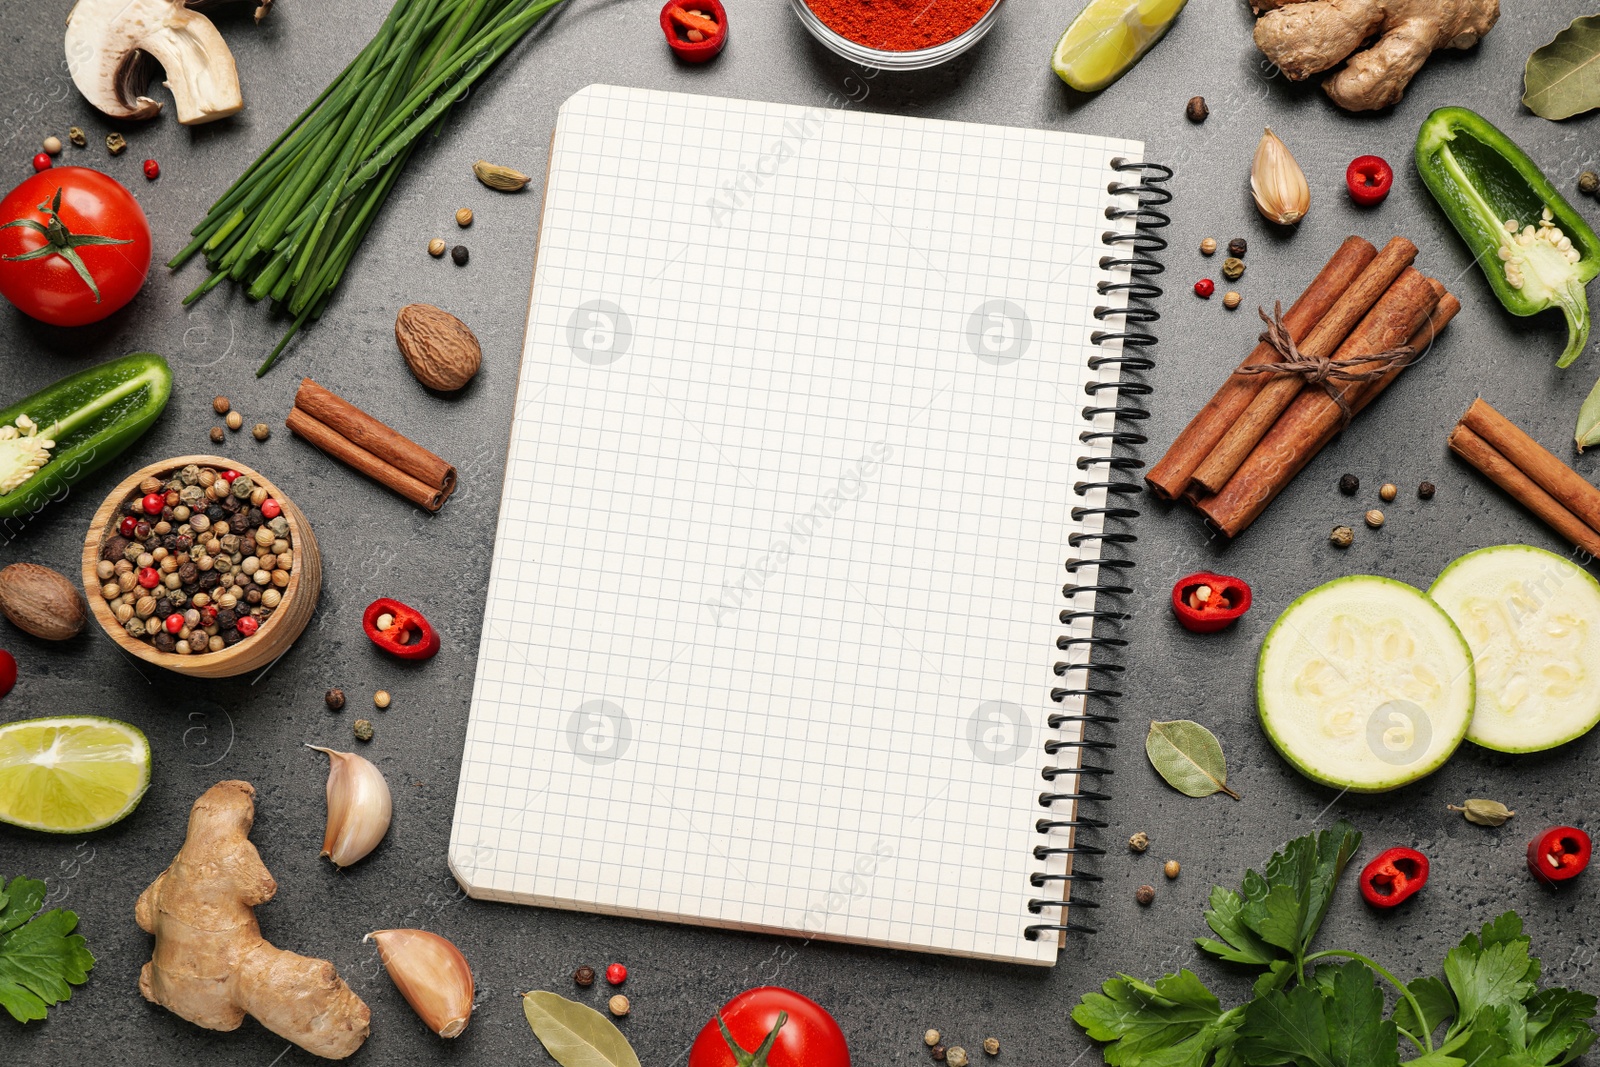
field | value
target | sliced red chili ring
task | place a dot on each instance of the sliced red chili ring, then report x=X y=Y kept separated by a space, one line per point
x=408 y=635
x=705 y=18
x=1206 y=602
x=1560 y=853
x=1369 y=178
x=1395 y=876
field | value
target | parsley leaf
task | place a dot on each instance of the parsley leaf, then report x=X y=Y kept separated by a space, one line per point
x=1491 y=969
x=1177 y=1022
x=1335 y=1020
x=39 y=954
x=1437 y=1002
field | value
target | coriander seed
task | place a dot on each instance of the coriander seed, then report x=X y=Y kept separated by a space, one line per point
x=956 y=1056
x=52 y=145
x=619 y=1006
x=931 y=1038
x=1145 y=895
x=1232 y=300
x=1139 y=841
x=363 y=729
x=1233 y=268
x=1349 y=484
x=381 y=698
x=1388 y=492
x=261 y=431
x=464 y=217
x=1589 y=183
x=77 y=136
x=216 y=435
x=1170 y=868
x=1208 y=247
x=991 y=1045
x=1196 y=110
x=1426 y=490
x=1374 y=518
x=1342 y=537
x=436 y=247
x=1238 y=247
x=221 y=405
x=584 y=976
x=458 y=255
x=334 y=698
x=234 y=420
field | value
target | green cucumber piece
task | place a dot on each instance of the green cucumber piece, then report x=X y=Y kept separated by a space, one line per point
x=1365 y=684
x=1532 y=621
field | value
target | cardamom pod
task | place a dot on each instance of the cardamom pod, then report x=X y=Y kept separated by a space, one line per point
x=497 y=177
x=1484 y=812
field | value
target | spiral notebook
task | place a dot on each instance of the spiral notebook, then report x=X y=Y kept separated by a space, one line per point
x=815 y=494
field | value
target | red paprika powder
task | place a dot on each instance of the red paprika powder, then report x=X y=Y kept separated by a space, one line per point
x=899 y=25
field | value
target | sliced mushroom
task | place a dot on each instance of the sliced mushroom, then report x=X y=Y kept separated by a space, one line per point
x=110 y=43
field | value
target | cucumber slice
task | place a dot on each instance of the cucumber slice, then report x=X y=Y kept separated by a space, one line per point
x=1365 y=684
x=1532 y=620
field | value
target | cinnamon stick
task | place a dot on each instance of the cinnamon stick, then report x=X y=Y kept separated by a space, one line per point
x=1533 y=459
x=1276 y=396
x=1314 y=417
x=372 y=436
x=1508 y=476
x=1168 y=478
x=352 y=455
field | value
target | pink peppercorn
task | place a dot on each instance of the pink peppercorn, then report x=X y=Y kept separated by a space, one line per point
x=152 y=169
x=174 y=623
x=616 y=974
x=42 y=161
x=149 y=577
x=1204 y=288
x=270 y=508
x=247 y=625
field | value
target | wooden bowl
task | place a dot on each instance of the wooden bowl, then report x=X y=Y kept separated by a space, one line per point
x=274 y=637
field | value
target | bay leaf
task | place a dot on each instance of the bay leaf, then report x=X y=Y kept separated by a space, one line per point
x=1188 y=757
x=1562 y=79
x=575 y=1034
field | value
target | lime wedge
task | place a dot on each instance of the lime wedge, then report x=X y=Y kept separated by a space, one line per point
x=71 y=774
x=1108 y=37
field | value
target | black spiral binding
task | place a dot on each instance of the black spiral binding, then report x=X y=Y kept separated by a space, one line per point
x=1133 y=252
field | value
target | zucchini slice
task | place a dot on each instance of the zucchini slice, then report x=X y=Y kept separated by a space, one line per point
x=1365 y=684
x=1532 y=620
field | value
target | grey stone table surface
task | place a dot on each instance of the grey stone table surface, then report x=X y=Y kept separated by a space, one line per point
x=375 y=544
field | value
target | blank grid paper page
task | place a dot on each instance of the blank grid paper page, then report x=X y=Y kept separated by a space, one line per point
x=775 y=595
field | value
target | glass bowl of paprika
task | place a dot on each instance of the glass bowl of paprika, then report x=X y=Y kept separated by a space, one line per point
x=897 y=34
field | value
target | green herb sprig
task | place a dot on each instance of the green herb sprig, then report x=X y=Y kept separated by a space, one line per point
x=1486 y=1010
x=290 y=226
x=41 y=959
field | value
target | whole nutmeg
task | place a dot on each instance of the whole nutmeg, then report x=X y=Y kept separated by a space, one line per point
x=41 y=601
x=439 y=348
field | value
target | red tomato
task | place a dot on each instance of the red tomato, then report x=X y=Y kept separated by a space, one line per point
x=97 y=222
x=809 y=1037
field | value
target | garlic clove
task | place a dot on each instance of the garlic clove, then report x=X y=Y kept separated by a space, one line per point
x=359 y=807
x=1277 y=182
x=431 y=974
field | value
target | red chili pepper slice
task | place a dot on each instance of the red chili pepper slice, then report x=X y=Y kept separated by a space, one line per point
x=1560 y=853
x=1207 y=602
x=1370 y=178
x=8 y=672
x=683 y=21
x=409 y=636
x=1395 y=876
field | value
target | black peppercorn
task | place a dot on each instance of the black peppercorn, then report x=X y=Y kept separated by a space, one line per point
x=112 y=550
x=216 y=514
x=937 y=1052
x=232 y=637
x=459 y=255
x=1145 y=895
x=227 y=618
x=164 y=607
x=252 y=596
x=209 y=580
x=1426 y=490
x=1238 y=247
x=584 y=975
x=165 y=642
x=1349 y=484
x=1197 y=111
x=188 y=573
x=334 y=699
x=254 y=518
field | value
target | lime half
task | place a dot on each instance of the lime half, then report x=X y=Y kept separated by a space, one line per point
x=1108 y=37
x=71 y=774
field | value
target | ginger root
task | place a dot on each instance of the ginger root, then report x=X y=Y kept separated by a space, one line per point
x=1305 y=37
x=211 y=965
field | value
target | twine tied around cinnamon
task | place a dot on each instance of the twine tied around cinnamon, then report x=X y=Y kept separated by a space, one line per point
x=1322 y=370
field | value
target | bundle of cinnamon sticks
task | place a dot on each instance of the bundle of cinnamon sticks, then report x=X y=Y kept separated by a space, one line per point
x=1364 y=319
x=358 y=440
x=1533 y=476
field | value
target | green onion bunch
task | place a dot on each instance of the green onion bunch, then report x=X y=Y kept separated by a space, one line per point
x=291 y=224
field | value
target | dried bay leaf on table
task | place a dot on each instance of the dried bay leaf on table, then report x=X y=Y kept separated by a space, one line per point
x=1562 y=79
x=1188 y=757
x=575 y=1034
